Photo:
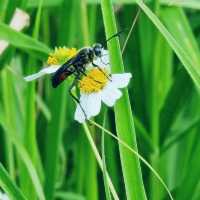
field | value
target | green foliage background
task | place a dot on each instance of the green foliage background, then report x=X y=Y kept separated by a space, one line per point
x=45 y=154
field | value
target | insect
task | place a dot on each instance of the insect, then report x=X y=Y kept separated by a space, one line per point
x=77 y=66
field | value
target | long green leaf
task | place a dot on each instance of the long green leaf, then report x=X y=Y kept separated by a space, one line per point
x=21 y=40
x=192 y=4
x=192 y=66
x=190 y=182
x=175 y=100
x=7 y=184
x=105 y=180
x=123 y=114
x=24 y=156
x=69 y=196
x=29 y=137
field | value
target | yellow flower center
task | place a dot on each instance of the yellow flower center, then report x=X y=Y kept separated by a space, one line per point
x=94 y=81
x=61 y=55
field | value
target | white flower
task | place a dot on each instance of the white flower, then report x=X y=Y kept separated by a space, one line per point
x=19 y=20
x=54 y=62
x=97 y=88
x=3 y=196
x=46 y=70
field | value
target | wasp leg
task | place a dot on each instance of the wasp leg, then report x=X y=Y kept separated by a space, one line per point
x=73 y=96
x=82 y=71
x=107 y=76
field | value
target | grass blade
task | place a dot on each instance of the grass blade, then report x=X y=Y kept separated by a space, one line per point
x=106 y=185
x=7 y=184
x=174 y=102
x=21 y=40
x=68 y=196
x=183 y=54
x=93 y=146
x=29 y=137
x=126 y=131
x=137 y=155
x=30 y=167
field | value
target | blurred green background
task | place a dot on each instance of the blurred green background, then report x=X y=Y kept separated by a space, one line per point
x=45 y=154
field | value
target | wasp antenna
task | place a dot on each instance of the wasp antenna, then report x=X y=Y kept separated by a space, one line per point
x=131 y=29
x=117 y=34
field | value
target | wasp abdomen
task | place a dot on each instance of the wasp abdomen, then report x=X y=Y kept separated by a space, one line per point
x=61 y=75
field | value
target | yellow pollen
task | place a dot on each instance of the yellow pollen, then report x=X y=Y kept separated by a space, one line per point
x=61 y=55
x=94 y=81
x=52 y=61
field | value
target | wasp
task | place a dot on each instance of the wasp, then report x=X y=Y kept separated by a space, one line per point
x=77 y=66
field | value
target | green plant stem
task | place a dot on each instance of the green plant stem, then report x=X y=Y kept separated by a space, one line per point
x=58 y=104
x=84 y=23
x=136 y=154
x=154 y=116
x=156 y=5
x=29 y=136
x=99 y=160
x=145 y=137
x=7 y=184
x=8 y=113
x=106 y=185
x=123 y=114
x=89 y=181
x=53 y=139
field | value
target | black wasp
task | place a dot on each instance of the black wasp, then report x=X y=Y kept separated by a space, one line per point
x=77 y=66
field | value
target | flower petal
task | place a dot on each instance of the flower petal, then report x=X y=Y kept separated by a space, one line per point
x=103 y=61
x=20 y=20
x=121 y=80
x=3 y=196
x=110 y=95
x=79 y=115
x=91 y=105
x=42 y=72
x=105 y=57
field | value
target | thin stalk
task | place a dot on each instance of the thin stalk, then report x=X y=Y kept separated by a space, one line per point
x=7 y=94
x=84 y=24
x=136 y=154
x=30 y=120
x=154 y=113
x=123 y=114
x=142 y=132
x=131 y=30
x=53 y=139
x=99 y=160
x=156 y=5
x=106 y=185
x=90 y=181
x=9 y=186
x=154 y=107
x=57 y=124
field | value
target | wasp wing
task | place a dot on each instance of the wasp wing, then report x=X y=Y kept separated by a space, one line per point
x=63 y=72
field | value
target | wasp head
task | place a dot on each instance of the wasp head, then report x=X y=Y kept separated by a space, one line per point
x=97 y=48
